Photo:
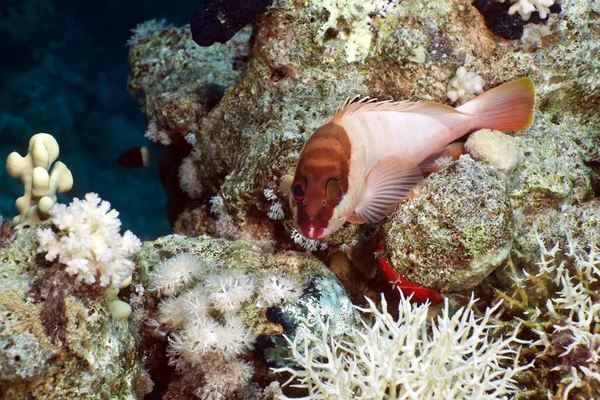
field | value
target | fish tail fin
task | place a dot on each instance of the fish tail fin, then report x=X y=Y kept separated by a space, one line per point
x=508 y=107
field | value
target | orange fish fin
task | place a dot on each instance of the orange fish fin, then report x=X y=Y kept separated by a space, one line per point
x=508 y=107
x=355 y=219
x=453 y=150
x=388 y=182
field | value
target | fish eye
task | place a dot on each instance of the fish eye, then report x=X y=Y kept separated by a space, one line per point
x=333 y=191
x=299 y=188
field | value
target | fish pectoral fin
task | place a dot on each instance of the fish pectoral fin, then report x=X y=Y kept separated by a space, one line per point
x=388 y=182
x=355 y=219
x=453 y=150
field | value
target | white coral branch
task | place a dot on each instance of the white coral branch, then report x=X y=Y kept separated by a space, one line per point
x=403 y=359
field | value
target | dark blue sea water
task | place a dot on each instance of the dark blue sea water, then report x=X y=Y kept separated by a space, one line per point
x=63 y=71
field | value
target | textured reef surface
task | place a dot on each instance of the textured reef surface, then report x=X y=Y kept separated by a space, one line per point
x=236 y=304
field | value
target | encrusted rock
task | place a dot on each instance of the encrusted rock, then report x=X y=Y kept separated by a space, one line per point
x=248 y=306
x=554 y=171
x=456 y=232
x=58 y=339
x=305 y=60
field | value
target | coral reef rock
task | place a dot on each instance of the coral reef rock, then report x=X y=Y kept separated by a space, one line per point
x=456 y=232
x=58 y=339
x=219 y=309
x=306 y=58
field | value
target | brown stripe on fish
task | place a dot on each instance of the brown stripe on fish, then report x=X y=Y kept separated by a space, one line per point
x=325 y=155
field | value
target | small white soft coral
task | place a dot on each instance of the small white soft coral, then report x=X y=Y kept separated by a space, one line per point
x=223 y=378
x=175 y=274
x=464 y=86
x=277 y=290
x=205 y=337
x=207 y=340
x=227 y=292
x=89 y=242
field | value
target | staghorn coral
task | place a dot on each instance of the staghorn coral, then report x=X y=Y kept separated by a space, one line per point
x=458 y=357
x=554 y=297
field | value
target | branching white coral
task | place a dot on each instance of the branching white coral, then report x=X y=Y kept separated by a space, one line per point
x=576 y=305
x=526 y=7
x=89 y=242
x=173 y=275
x=464 y=86
x=460 y=358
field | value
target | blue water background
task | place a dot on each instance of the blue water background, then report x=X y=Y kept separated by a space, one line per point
x=63 y=71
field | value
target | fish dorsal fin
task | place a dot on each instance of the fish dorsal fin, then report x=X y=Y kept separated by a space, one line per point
x=388 y=182
x=359 y=105
x=362 y=104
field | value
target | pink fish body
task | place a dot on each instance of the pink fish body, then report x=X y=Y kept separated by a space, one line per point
x=369 y=156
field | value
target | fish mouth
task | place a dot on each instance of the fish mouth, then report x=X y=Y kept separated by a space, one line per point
x=315 y=232
x=313 y=228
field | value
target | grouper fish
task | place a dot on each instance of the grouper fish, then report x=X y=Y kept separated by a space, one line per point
x=370 y=155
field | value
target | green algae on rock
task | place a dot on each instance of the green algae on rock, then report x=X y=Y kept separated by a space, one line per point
x=57 y=337
x=456 y=232
x=298 y=72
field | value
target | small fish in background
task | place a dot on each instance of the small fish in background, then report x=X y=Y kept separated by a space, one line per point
x=370 y=155
x=219 y=20
x=136 y=157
